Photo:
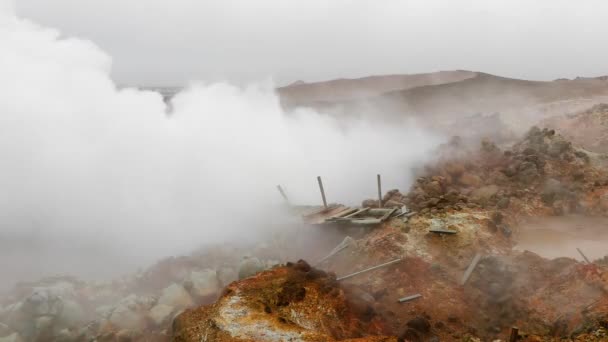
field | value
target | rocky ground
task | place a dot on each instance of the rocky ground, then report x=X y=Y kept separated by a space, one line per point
x=587 y=128
x=480 y=194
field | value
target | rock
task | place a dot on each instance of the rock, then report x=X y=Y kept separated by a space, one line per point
x=160 y=313
x=527 y=172
x=126 y=314
x=496 y=217
x=204 y=283
x=390 y=194
x=11 y=338
x=420 y=324
x=42 y=302
x=392 y=204
x=557 y=147
x=369 y=203
x=104 y=311
x=249 y=267
x=503 y=203
x=433 y=189
x=43 y=325
x=65 y=335
x=71 y=316
x=470 y=180
x=125 y=318
x=411 y=335
x=126 y=335
x=5 y=330
x=226 y=275
x=175 y=295
x=485 y=192
x=505 y=230
x=554 y=190
x=287 y=303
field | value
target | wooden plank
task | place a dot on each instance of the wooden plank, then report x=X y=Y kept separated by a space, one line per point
x=387 y=215
x=283 y=194
x=351 y=216
x=379 y=192
x=442 y=231
x=322 y=191
x=409 y=298
x=514 y=334
x=365 y=222
x=583 y=255
x=361 y=211
x=344 y=213
x=370 y=269
x=470 y=269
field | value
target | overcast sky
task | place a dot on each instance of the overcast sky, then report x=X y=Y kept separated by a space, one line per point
x=162 y=42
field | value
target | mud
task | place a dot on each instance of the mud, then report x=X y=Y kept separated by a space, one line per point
x=555 y=237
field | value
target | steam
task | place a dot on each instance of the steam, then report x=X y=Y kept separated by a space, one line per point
x=96 y=180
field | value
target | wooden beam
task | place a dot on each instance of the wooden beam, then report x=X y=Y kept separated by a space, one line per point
x=322 y=191
x=283 y=194
x=370 y=269
x=583 y=255
x=409 y=298
x=514 y=334
x=470 y=269
x=379 y=192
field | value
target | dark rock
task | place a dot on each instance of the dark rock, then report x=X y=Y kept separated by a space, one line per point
x=505 y=230
x=497 y=217
x=411 y=335
x=420 y=324
x=503 y=203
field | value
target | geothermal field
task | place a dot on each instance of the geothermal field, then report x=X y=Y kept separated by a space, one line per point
x=226 y=171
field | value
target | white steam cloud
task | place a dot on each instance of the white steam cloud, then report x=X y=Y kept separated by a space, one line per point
x=93 y=177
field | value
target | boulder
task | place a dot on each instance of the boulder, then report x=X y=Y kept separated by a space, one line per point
x=175 y=295
x=160 y=313
x=126 y=314
x=226 y=275
x=288 y=303
x=470 y=180
x=250 y=266
x=11 y=338
x=205 y=283
x=485 y=192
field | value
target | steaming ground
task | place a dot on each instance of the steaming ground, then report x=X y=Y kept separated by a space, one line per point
x=560 y=237
x=97 y=181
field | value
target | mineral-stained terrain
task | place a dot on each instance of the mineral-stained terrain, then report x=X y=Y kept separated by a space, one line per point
x=479 y=195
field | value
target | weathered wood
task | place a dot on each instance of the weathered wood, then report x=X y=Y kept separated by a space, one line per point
x=470 y=269
x=340 y=247
x=322 y=191
x=360 y=211
x=283 y=194
x=379 y=192
x=345 y=213
x=370 y=269
x=583 y=255
x=442 y=231
x=514 y=334
x=409 y=298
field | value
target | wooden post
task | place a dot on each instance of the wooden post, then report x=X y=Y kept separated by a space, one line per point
x=283 y=194
x=409 y=298
x=514 y=334
x=379 y=192
x=470 y=269
x=583 y=255
x=322 y=191
x=369 y=269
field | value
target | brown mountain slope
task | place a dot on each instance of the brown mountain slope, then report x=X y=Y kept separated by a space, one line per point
x=300 y=93
x=480 y=93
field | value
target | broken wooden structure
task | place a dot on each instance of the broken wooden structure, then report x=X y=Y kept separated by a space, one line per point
x=340 y=214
